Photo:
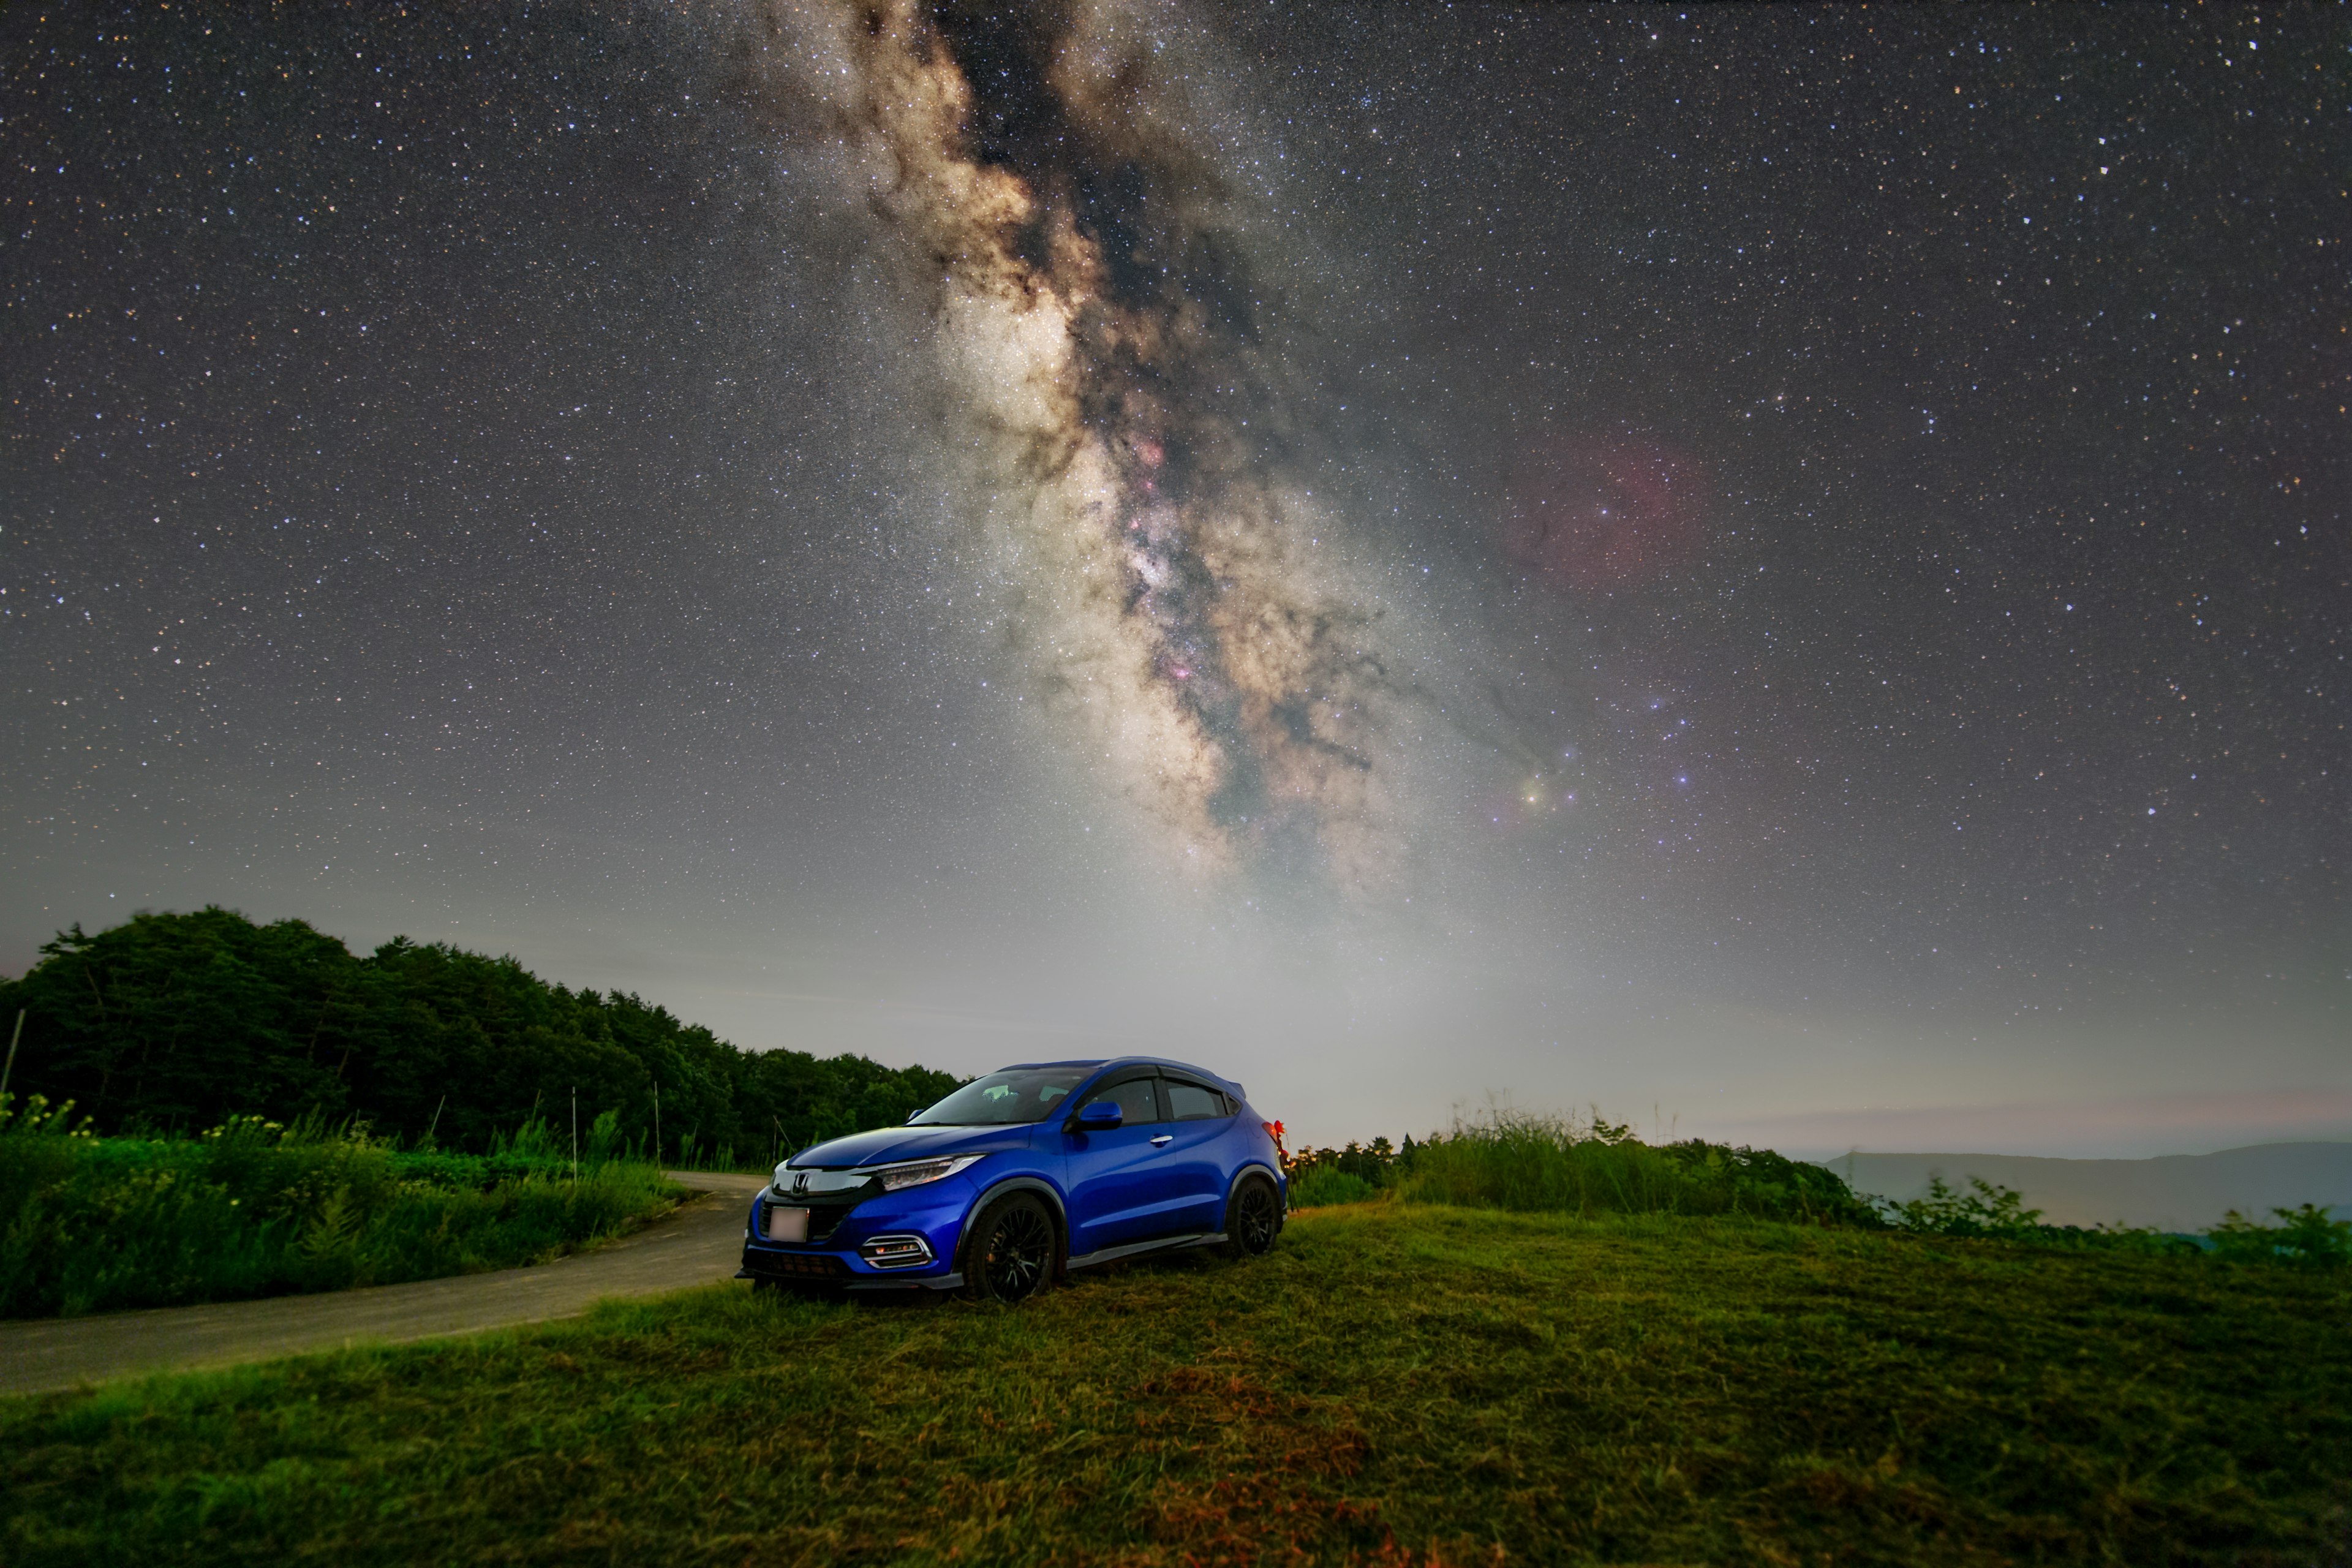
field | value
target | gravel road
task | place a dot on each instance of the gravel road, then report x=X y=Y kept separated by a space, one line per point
x=701 y=1242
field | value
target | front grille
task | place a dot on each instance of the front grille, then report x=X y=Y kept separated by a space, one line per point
x=799 y=1264
x=822 y=1221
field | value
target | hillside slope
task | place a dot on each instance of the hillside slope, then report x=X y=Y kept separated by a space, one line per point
x=1394 y=1385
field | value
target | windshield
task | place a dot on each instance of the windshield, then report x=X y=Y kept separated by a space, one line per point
x=1023 y=1094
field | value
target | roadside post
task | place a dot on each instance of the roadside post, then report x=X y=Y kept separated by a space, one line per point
x=15 y=1034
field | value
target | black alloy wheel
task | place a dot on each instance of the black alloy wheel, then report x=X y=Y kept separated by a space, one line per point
x=1253 y=1218
x=1012 y=1249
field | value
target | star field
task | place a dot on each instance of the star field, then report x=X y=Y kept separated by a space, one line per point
x=1811 y=542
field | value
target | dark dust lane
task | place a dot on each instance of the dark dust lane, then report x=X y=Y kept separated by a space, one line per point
x=702 y=1242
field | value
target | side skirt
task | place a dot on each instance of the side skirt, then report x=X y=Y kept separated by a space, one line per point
x=1137 y=1248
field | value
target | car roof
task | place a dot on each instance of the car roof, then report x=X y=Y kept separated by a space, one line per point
x=1105 y=1064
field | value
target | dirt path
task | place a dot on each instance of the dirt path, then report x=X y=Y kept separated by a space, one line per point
x=701 y=1242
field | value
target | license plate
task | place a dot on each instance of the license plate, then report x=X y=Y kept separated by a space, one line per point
x=787 y=1224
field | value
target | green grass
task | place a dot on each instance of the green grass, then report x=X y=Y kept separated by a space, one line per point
x=1395 y=1385
x=251 y=1208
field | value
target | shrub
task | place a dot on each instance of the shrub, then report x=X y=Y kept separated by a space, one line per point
x=1346 y=1175
x=1519 y=1159
x=2306 y=1236
x=1985 y=1210
x=1320 y=1186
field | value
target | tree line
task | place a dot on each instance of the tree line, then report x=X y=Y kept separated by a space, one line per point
x=174 y=1022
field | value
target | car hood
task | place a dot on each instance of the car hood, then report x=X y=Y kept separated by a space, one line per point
x=889 y=1145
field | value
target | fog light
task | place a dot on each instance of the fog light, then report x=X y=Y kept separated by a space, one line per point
x=895 y=1251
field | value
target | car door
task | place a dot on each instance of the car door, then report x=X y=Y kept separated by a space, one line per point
x=1195 y=1156
x=1117 y=1181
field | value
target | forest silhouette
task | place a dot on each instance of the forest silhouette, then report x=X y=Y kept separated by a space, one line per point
x=174 y=1023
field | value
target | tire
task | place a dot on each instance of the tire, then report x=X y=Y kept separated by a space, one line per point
x=1253 y=1218
x=1012 y=1250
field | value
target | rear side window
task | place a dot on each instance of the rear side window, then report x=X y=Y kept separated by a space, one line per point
x=1137 y=1099
x=1190 y=1102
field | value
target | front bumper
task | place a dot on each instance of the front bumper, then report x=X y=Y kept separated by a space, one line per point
x=891 y=1241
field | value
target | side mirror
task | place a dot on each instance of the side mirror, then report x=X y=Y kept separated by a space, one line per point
x=1101 y=1116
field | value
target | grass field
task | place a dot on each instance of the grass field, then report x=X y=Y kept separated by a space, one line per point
x=1395 y=1385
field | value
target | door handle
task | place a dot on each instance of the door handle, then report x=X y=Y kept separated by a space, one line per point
x=1164 y=1139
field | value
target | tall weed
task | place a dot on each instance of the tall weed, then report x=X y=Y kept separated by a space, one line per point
x=253 y=1208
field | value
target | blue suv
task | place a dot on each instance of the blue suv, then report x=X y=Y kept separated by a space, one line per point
x=1019 y=1177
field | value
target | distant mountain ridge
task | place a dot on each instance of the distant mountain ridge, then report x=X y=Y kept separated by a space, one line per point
x=2169 y=1191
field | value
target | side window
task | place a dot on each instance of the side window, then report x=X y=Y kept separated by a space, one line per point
x=1137 y=1099
x=1191 y=1103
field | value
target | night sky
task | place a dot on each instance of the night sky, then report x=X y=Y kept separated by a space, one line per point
x=1781 y=572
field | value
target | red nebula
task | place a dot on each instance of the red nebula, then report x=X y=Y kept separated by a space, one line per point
x=1596 y=512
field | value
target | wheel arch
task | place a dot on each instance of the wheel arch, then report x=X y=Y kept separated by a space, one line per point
x=1249 y=1168
x=1019 y=1184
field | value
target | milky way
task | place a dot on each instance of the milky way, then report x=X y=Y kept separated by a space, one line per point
x=1098 y=326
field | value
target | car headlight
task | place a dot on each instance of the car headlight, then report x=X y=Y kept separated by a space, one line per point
x=914 y=1172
